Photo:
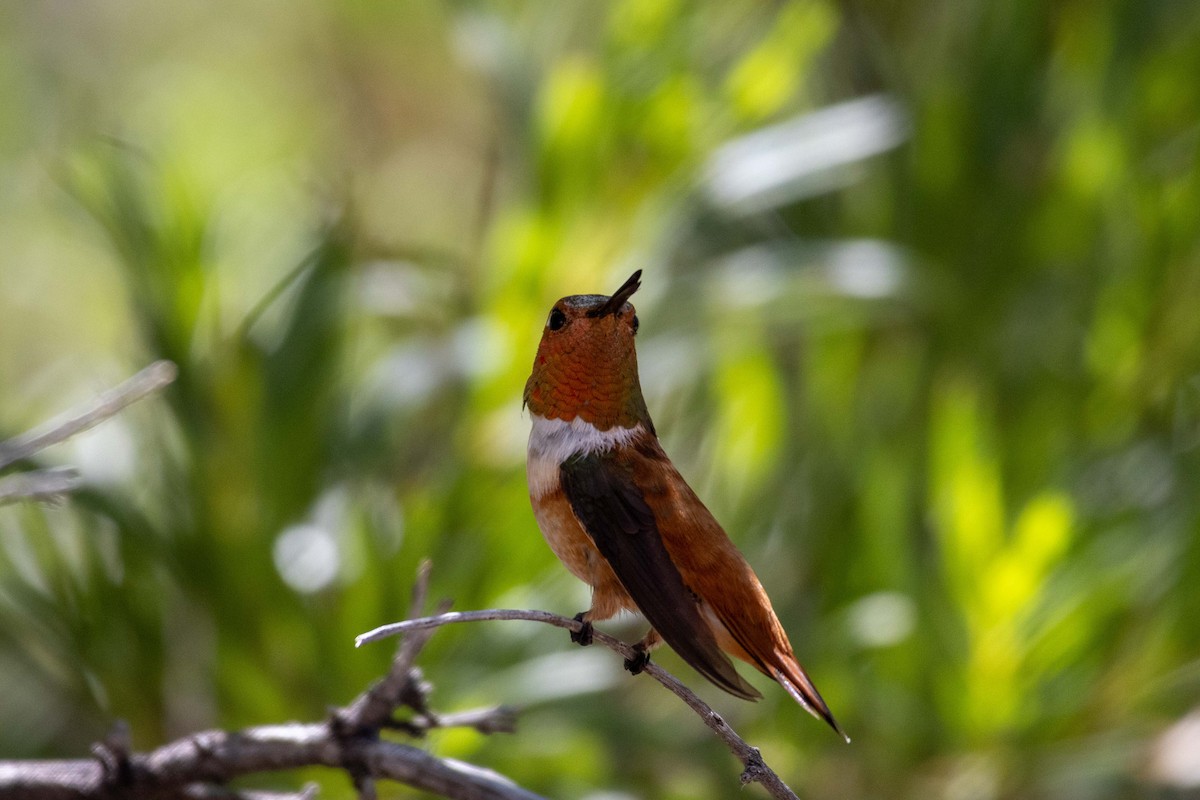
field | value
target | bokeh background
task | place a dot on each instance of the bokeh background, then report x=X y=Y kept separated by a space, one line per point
x=920 y=321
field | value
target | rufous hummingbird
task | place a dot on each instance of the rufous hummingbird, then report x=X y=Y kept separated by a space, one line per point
x=617 y=513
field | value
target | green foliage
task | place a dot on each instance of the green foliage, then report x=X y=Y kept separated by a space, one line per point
x=943 y=390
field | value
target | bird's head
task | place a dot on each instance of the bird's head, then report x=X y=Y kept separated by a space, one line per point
x=586 y=365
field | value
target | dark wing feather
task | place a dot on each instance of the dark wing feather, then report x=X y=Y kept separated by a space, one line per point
x=615 y=515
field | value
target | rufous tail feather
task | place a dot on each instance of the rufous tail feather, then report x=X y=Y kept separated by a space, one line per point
x=803 y=692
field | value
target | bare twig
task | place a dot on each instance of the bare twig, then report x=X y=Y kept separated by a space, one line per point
x=498 y=719
x=146 y=382
x=755 y=769
x=309 y=792
x=403 y=685
x=39 y=484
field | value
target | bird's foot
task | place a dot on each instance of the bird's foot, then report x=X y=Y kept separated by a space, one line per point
x=583 y=636
x=639 y=661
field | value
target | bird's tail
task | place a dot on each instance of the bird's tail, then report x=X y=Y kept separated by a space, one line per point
x=791 y=676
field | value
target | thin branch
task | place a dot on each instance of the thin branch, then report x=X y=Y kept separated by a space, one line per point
x=755 y=769
x=411 y=646
x=109 y=403
x=403 y=685
x=498 y=719
x=40 y=484
x=488 y=615
x=309 y=792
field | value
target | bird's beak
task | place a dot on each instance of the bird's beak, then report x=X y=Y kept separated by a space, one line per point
x=617 y=301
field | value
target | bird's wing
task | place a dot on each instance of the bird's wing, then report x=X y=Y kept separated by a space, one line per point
x=707 y=561
x=611 y=508
x=712 y=566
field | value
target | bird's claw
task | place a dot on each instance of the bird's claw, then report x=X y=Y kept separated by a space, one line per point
x=638 y=663
x=583 y=636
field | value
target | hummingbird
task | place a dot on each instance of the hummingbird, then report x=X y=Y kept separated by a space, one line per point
x=621 y=518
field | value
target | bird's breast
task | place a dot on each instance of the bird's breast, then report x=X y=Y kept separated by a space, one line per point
x=551 y=442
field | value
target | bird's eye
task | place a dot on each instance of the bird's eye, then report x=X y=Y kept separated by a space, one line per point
x=557 y=319
x=635 y=324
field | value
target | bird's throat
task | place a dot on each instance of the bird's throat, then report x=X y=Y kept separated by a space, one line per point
x=553 y=441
